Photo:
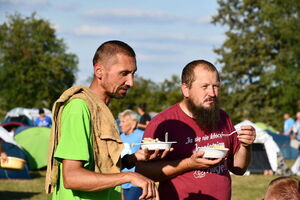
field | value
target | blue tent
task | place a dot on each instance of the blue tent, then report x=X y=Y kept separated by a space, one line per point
x=21 y=128
x=15 y=151
x=283 y=143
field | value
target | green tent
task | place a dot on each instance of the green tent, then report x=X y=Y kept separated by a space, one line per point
x=35 y=141
x=264 y=126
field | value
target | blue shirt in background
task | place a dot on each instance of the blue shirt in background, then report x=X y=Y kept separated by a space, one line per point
x=46 y=122
x=288 y=124
x=135 y=137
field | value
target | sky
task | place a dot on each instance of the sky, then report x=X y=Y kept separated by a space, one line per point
x=166 y=35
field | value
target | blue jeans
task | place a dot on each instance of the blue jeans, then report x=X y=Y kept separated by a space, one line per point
x=132 y=193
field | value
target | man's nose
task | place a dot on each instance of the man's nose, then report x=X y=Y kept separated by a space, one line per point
x=212 y=91
x=130 y=80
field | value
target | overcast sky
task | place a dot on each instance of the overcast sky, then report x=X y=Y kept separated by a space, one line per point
x=165 y=34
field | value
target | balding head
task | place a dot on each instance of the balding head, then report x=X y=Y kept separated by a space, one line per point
x=188 y=72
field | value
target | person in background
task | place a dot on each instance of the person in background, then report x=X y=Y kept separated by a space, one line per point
x=84 y=161
x=130 y=135
x=43 y=120
x=288 y=124
x=283 y=188
x=194 y=123
x=145 y=117
x=295 y=130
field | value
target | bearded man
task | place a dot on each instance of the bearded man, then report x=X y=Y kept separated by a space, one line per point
x=195 y=122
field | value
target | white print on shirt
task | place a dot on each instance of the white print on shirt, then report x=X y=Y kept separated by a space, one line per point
x=219 y=169
x=206 y=137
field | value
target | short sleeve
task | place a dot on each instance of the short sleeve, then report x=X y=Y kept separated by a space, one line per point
x=75 y=142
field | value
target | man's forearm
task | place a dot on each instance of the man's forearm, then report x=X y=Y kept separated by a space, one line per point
x=162 y=170
x=242 y=159
x=78 y=178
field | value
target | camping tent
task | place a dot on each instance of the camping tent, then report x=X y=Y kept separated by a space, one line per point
x=15 y=151
x=283 y=141
x=30 y=114
x=11 y=125
x=7 y=136
x=35 y=142
x=264 y=150
x=264 y=126
x=296 y=167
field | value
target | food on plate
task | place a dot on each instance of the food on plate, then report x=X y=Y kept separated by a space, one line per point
x=218 y=146
x=148 y=140
x=153 y=144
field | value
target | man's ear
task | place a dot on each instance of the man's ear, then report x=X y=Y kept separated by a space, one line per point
x=185 y=90
x=98 y=70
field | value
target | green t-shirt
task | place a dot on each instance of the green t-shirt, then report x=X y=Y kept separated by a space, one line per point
x=76 y=143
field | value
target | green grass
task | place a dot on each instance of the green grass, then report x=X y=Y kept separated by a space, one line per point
x=33 y=189
x=250 y=187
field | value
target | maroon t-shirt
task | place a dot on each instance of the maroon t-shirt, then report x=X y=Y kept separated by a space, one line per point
x=211 y=184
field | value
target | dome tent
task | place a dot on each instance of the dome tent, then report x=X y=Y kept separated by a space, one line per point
x=14 y=151
x=264 y=150
x=35 y=141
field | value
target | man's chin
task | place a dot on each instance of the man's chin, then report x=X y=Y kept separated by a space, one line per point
x=209 y=107
x=120 y=96
x=117 y=95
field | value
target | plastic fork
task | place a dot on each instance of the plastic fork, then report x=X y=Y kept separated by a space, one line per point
x=229 y=133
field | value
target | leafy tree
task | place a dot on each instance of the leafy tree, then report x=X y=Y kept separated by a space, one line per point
x=157 y=96
x=260 y=58
x=34 y=65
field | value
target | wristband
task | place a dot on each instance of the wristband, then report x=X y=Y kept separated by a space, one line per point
x=128 y=161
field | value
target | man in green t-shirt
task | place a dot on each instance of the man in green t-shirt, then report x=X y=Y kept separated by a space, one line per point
x=114 y=67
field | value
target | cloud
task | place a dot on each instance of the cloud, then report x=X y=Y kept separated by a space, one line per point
x=183 y=38
x=138 y=16
x=68 y=6
x=28 y=2
x=88 y=30
x=30 y=5
x=149 y=37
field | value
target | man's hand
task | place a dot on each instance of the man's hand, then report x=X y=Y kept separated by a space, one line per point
x=246 y=135
x=148 y=186
x=196 y=161
x=3 y=156
x=146 y=154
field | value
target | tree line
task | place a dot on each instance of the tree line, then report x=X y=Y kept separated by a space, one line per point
x=259 y=59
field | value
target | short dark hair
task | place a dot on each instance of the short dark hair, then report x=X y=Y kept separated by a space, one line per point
x=188 y=75
x=143 y=106
x=41 y=111
x=110 y=49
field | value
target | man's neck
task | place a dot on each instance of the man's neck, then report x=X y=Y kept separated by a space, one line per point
x=184 y=108
x=100 y=93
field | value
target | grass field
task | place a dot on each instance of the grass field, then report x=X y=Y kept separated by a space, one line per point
x=243 y=187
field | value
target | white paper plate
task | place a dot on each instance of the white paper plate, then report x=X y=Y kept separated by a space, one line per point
x=156 y=145
x=214 y=152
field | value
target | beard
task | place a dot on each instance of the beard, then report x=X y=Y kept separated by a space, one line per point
x=207 y=118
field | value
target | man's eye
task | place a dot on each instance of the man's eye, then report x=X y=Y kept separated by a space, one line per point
x=124 y=73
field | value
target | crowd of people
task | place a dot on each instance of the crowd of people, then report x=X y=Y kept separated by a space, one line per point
x=90 y=158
